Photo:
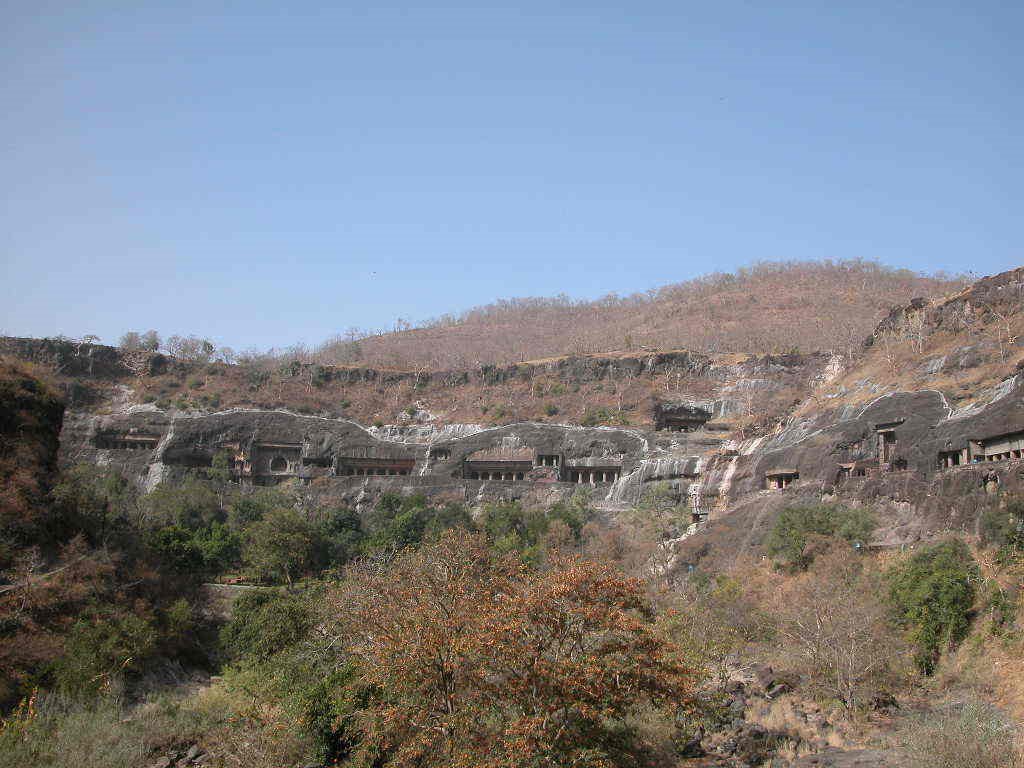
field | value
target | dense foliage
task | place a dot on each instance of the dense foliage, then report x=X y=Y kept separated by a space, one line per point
x=933 y=594
x=474 y=660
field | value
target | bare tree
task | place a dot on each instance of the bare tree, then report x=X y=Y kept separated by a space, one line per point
x=838 y=626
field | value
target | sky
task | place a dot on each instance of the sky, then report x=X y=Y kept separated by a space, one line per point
x=264 y=174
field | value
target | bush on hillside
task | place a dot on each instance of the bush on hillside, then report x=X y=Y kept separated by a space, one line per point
x=839 y=630
x=932 y=594
x=280 y=547
x=511 y=527
x=792 y=538
x=1004 y=529
x=265 y=622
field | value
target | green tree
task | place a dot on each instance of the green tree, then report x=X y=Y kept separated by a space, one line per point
x=220 y=468
x=101 y=647
x=250 y=507
x=264 y=622
x=280 y=546
x=792 y=538
x=177 y=550
x=219 y=546
x=932 y=594
x=397 y=521
x=513 y=528
x=340 y=536
x=192 y=504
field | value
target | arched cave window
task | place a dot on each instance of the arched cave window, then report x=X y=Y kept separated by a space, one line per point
x=278 y=464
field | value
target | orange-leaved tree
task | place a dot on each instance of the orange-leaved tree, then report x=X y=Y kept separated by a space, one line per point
x=472 y=660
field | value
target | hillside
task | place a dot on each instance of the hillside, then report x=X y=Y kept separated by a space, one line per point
x=173 y=569
x=30 y=420
x=620 y=389
x=767 y=308
x=959 y=344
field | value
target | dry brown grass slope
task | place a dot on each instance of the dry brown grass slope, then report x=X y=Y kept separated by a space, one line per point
x=766 y=308
x=961 y=344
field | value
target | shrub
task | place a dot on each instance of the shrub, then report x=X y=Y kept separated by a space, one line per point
x=313 y=699
x=792 y=537
x=339 y=537
x=219 y=547
x=1001 y=607
x=1004 y=529
x=397 y=522
x=713 y=619
x=191 y=504
x=100 y=648
x=550 y=409
x=468 y=660
x=836 y=622
x=596 y=417
x=280 y=546
x=512 y=528
x=90 y=500
x=319 y=375
x=257 y=378
x=265 y=622
x=176 y=549
x=932 y=594
x=253 y=506
x=971 y=736
x=60 y=733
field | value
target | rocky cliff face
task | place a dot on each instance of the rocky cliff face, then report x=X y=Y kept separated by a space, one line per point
x=341 y=459
x=734 y=437
x=923 y=442
x=616 y=388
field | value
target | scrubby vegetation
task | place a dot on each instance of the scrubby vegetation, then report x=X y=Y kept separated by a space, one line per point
x=771 y=307
x=970 y=735
x=800 y=531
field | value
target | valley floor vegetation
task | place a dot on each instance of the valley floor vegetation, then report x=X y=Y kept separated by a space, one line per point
x=420 y=635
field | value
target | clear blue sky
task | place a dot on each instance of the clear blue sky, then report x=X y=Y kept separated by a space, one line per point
x=269 y=173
